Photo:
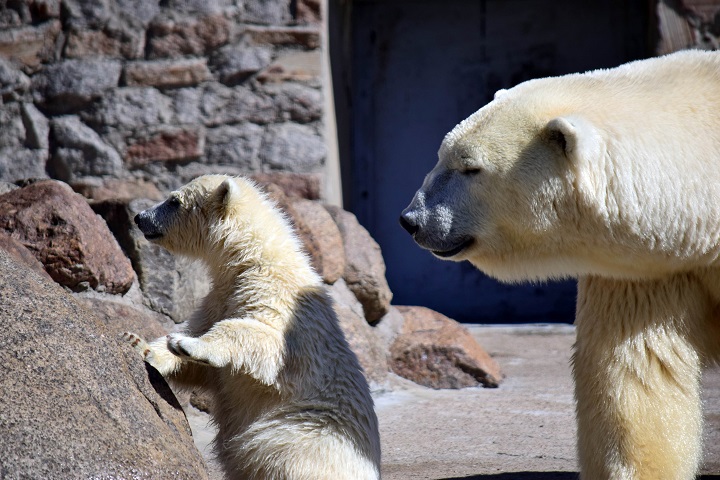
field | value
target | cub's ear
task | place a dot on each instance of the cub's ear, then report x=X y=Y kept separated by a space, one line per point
x=574 y=135
x=227 y=192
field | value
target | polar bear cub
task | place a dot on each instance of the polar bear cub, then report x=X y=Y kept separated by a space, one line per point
x=290 y=398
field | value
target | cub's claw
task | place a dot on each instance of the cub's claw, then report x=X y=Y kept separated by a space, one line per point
x=186 y=347
x=137 y=343
x=174 y=344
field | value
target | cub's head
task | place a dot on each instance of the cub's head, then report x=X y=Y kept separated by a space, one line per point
x=505 y=191
x=186 y=221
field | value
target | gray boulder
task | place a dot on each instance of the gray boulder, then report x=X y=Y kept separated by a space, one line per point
x=71 y=85
x=20 y=164
x=223 y=105
x=131 y=108
x=12 y=130
x=173 y=286
x=236 y=145
x=80 y=151
x=234 y=63
x=37 y=127
x=292 y=147
x=267 y=12
x=13 y=82
x=296 y=102
x=74 y=401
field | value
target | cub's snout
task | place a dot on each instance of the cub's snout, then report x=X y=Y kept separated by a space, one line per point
x=147 y=222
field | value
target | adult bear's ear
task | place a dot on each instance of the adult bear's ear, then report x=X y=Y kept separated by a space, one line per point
x=582 y=144
x=574 y=135
x=227 y=192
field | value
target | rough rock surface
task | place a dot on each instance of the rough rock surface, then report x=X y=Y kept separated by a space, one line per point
x=167 y=73
x=173 y=286
x=113 y=189
x=175 y=35
x=360 y=335
x=21 y=254
x=74 y=401
x=80 y=151
x=438 y=352
x=73 y=84
x=236 y=145
x=160 y=91
x=292 y=147
x=13 y=83
x=121 y=316
x=233 y=65
x=321 y=238
x=294 y=185
x=61 y=230
x=30 y=46
x=364 y=266
x=22 y=164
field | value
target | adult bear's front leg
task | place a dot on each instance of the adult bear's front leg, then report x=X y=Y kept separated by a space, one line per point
x=637 y=378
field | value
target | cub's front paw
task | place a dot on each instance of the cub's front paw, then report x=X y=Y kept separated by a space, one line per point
x=185 y=347
x=140 y=345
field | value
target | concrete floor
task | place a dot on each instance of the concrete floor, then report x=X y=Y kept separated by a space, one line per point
x=523 y=430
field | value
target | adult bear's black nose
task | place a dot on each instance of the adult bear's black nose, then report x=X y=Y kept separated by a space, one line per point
x=408 y=223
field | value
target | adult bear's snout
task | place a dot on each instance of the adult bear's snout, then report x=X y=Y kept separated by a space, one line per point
x=408 y=222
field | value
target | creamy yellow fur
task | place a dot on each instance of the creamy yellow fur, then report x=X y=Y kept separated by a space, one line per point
x=613 y=177
x=290 y=399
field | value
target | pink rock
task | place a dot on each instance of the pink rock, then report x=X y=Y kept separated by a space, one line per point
x=364 y=265
x=172 y=37
x=63 y=232
x=168 y=145
x=317 y=231
x=167 y=73
x=21 y=254
x=301 y=185
x=437 y=352
x=321 y=238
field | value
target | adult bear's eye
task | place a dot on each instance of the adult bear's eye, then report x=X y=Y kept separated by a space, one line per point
x=472 y=171
x=174 y=202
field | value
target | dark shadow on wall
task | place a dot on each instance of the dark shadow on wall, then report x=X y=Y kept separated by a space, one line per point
x=542 y=476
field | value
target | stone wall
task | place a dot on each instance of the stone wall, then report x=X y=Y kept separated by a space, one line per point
x=130 y=94
x=687 y=24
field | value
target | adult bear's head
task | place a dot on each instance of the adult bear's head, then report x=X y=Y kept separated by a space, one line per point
x=504 y=188
x=581 y=174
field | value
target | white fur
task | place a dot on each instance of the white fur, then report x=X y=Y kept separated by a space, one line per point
x=611 y=176
x=290 y=399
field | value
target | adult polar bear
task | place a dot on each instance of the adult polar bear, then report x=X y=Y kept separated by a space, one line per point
x=611 y=176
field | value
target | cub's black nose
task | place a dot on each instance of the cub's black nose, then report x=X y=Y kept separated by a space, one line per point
x=137 y=219
x=408 y=224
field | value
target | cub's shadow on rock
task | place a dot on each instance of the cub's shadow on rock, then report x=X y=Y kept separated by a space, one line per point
x=541 y=476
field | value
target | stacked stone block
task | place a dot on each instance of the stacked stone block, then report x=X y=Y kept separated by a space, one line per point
x=135 y=92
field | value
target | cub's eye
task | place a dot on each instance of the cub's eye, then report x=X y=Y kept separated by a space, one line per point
x=471 y=171
x=174 y=202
